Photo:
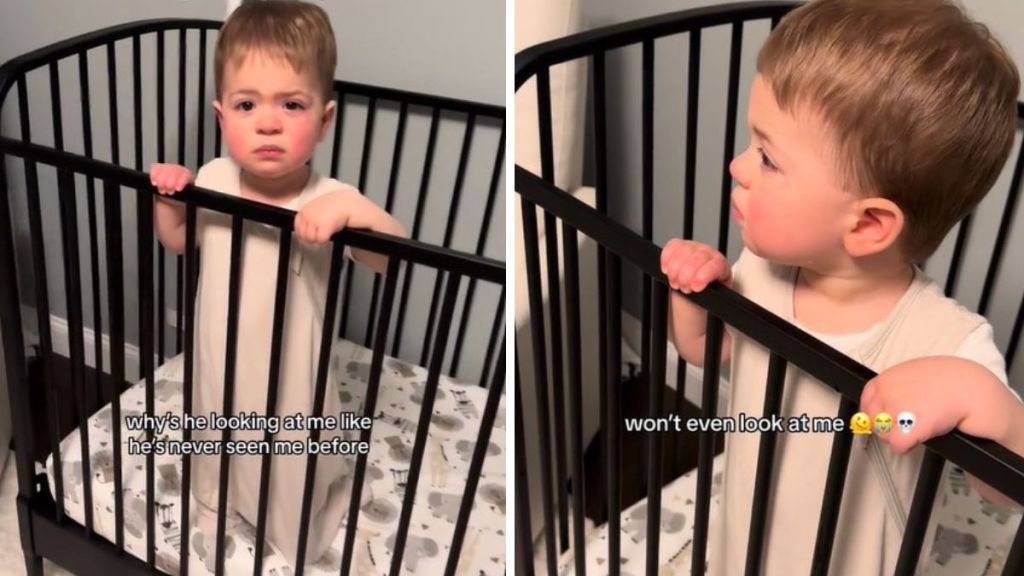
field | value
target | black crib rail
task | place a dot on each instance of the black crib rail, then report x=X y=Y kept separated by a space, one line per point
x=988 y=461
x=42 y=515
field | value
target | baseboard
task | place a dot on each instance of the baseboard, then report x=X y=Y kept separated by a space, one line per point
x=60 y=339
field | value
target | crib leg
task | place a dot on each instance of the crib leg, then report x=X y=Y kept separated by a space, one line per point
x=33 y=564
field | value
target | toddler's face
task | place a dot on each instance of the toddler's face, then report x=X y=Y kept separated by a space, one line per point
x=789 y=201
x=271 y=116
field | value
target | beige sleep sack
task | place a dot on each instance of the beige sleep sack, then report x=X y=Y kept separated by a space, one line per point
x=307 y=286
x=879 y=485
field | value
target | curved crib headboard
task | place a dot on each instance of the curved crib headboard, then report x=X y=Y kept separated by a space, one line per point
x=662 y=126
x=434 y=162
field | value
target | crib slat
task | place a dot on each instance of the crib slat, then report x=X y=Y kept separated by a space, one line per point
x=115 y=292
x=161 y=68
x=834 y=483
x=453 y=210
x=1015 y=558
x=1011 y=350
x=326 y=339
x=182 y=53
x=573 y=336
x=83 y=77
x=601 y=193
x=476 y=464
x=647 y=205
x=659 y=317
x=191 y=272
x=230 y=355
x=499 y=314
x=736 y=52
x=145 y=251
x=42 y=297
x=529 y=212
x=480 y=243
x=706 y=449
x=765 y=457
x=524 y=532
x=613 y=416
x=72 y=283
x=920 y=512
x=689 y=185
x=1001 y=236
x=423 y=427
x=420 y=201
x=201 y=104
x=58 y=124
x=137 y=99
x=115 y=140
x=396 y=160
x=364 y=164
x=273 y=385
x=369 y=409
x=547 y=162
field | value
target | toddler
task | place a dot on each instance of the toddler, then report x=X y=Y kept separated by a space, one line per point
x=274 y=68
x=876 y=127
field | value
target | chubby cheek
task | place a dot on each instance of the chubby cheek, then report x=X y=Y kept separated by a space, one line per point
x=234 y=137
x=302 y=138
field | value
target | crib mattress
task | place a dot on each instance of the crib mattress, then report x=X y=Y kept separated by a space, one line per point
x=458 y=410
x=972 y=539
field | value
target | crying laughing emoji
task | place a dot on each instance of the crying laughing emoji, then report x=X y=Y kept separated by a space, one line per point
x=883 y=423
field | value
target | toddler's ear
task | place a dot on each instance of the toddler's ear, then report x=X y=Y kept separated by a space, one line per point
x=219 y=111
x=878 y=226
x=325 y=122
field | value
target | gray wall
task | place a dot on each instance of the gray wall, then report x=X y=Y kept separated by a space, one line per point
x=451 y=48
x=671 y=57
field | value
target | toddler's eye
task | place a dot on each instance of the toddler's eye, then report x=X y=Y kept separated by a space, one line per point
x=245 y=106
x=293 y=105
x=766 y=162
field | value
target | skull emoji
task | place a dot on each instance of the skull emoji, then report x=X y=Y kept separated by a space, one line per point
x=905 y=420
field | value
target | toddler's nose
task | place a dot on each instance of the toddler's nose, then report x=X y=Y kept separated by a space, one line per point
x=268 y=123
x=737 y=172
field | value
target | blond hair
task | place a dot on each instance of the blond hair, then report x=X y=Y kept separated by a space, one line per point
x=920 y=102
x=299 y=32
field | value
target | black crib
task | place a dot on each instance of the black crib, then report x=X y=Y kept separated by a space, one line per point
x=628 y=259
x=53 y=394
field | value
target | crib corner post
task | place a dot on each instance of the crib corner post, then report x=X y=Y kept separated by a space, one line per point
x=33 y=561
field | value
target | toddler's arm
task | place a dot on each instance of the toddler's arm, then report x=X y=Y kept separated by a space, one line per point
x=690 y=267
x=318 y=220
x=946 y=392
x=169 y=216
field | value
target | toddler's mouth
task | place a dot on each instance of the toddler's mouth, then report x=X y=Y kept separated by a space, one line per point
x=269 y=151
x=736 y=215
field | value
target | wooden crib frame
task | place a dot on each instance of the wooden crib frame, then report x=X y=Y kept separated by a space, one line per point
x=618 y=244
x=34 y=372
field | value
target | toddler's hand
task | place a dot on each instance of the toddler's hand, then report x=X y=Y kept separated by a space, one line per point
x=318 y=220
x=169 y=179
x=691 y=266
x=943 y=393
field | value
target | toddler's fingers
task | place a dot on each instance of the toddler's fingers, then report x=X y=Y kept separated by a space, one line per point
x=689 y=269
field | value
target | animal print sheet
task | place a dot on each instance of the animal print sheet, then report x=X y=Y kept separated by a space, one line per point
x=973 y=537
x=457 y=414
